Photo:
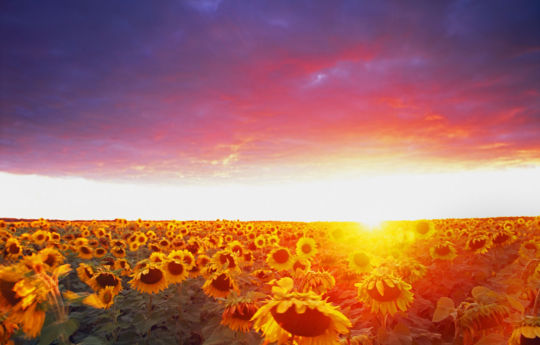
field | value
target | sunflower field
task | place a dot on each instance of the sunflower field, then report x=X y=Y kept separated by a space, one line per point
x=448 y=281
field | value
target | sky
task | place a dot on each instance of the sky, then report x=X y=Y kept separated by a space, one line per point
x=300 y=110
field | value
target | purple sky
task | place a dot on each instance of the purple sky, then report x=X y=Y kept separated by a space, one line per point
x=267 y=90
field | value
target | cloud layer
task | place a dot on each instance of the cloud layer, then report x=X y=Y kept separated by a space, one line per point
x=213 y=90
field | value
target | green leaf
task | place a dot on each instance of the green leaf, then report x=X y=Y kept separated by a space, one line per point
x=92 y=340
x=445 y=306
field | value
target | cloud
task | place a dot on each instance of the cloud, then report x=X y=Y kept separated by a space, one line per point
x=278 y=90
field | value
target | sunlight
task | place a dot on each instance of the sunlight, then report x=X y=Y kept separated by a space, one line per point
x=367 y=200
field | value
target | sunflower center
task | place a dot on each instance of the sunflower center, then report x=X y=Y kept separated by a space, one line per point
x=442 y=250
x=14 y=248
x=477 y=244
x=389 y=293
x=281 y=256
x=85 y=250
x=222 y=283
x=7 y=291
x=529 y=341
x=106 y=279
x=361 y=259
x=306 y=248
x=175 y=268
x=500 y=238
x=311 y=323
x=153 y=276
x=50 y=260
x=188 y=260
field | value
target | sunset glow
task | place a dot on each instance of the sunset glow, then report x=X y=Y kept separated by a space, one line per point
x=273 y=110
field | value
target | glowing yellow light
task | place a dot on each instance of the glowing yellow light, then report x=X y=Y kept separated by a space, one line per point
x=366 y=199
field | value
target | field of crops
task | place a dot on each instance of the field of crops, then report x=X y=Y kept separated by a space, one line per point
x=452 y=281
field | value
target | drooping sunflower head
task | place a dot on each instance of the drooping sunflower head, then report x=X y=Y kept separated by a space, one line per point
x=220 y=284
x=385 y=293
x=305 y=316
x=149 y=278
x=103 y=299
x=85 y=272
x=475 y=318
x=318 y=282
x=103 y=278
x=225 y=259
x=306 y=247
x=527 y=332
x=443 y=250
x=238 y=313
x=279 y=259
x=52 y=258
x=479 y=244
x=503 y=237
x=301 y=265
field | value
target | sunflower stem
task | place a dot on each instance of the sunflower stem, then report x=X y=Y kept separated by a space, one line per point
x=536 y=302
x=149 y=310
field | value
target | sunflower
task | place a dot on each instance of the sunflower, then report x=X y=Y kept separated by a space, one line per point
x=51 y=257
x=503 y=237
x=100 y=252
x=279 y=259
x=85 y=272
x=236 y=247
x=175 y=271
x=238 y=313
x=20 y=294
x=103 y=278
x=122 y=264
x=476 y=318
x=359 y=262
x=85 y=252
x=301 y=264
x=385 y=293
x=423 y=228
x=479 y=244
x=40 y=236
x=304 y=316
x=225 y=259
x=260 y=241
x=118 y=252
x=530 y=249
x=103 y=299
x=157 y=257
x=306 y=247
x=150 y=278
x=528 y=332
x=318 y=282
x=184 y=256
x=12 y=248
x=220 y=284
x=443 y=250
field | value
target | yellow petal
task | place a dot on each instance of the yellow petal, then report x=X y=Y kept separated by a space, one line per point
x=380 y=287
